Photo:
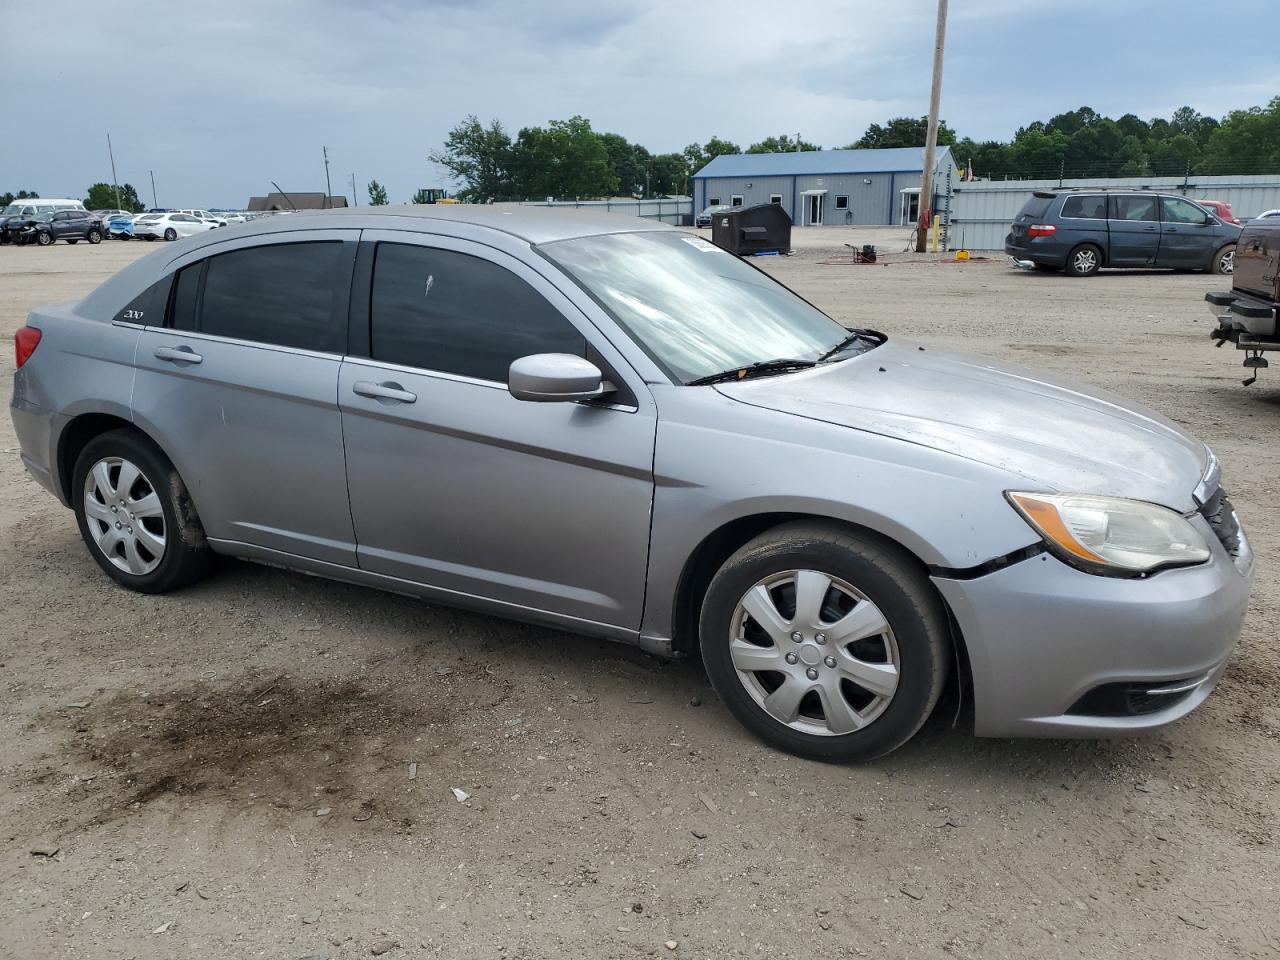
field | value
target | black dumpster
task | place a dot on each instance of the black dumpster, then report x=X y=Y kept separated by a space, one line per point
x=746 y=230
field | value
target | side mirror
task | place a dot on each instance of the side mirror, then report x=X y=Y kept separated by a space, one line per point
x=556 y=377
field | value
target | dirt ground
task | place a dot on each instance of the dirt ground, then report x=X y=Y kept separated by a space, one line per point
x=228 y=772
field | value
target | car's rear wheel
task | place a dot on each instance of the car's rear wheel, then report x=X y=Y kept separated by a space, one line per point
x=44 y=239
x=1084 y=261
x=136 y=516
x=171 y=234
x=94 y=236
x=824 y=643
x=1224 y=261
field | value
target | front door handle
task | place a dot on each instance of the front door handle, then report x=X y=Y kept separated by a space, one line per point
x=183 y=354
x=384 y=391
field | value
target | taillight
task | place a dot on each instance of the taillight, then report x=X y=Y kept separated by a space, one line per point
x=1041 y=230
x=25 y=341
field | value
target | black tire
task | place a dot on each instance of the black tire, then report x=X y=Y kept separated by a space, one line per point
x=186 y=555
x=1084 y=261
x=94 y=236
x=1224 y=260
x=171 y=234
x=44 y=239
x=883 y=575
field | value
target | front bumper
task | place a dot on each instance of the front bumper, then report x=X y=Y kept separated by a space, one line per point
x=1041 y=635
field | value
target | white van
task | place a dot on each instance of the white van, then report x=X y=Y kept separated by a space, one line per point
x=33 y=205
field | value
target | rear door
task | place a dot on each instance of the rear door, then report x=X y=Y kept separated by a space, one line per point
x=240 y=385
x=1133 y=222
x=1186 y=240
x=456 y=484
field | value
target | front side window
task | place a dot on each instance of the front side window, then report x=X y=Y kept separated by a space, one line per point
x=284 y=294
x=1085 y=207
x=695 y=309
x=1134 y=208
x=454 y=313
x=1177 y=210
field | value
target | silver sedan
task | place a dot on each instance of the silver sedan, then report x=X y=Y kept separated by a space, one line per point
x=616 y=428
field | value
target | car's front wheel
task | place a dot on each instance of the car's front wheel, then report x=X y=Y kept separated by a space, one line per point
x=825 y=643
x=1224 y=260
x=44 y=239
x=136 y=516
x=94 y=236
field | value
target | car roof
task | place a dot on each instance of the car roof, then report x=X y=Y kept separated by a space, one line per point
x=534 y=224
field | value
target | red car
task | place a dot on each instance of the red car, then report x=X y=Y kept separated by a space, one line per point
x=1220 y=209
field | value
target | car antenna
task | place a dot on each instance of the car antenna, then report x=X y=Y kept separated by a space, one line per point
x=285 y=195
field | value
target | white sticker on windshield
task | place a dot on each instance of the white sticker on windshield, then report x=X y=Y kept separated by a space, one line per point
x=699 y=244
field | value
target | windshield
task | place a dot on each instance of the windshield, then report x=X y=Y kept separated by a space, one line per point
x=12 y=210
x=695 y=309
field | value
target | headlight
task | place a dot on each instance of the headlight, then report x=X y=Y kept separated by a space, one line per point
x=1111 y=536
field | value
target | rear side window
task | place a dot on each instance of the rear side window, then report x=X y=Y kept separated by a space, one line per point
x=455 y=313
x=1035 y=208
x=284 y=294
x=1134 y=208
x=1085 y=208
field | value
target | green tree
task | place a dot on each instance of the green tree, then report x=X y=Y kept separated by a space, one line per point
x=669 y=175
x=629 y=162
x=698 y=156
x=102 y=196
x=1248 y=141
x=479 y=157
x=782 y=144
x=8 y=198
x=377 y=194
x=902 y=132
x=1132 y=158
x=565 y=159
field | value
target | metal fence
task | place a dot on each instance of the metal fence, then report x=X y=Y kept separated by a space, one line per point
x=673 y=210
x=980 y=212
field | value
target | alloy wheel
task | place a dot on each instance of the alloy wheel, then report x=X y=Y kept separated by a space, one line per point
x=814 y=652
x=124 y=515
x=1228 y=261
x=1085 y=261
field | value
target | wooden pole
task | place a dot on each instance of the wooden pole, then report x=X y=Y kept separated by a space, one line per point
x=931 y=139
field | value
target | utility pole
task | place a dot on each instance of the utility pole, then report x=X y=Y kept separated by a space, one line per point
x=328 y=187
x=154 y=201
x=114 y=184
x=931 y=139
x=355 y=201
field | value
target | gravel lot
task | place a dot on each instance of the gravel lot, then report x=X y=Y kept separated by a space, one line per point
x=227 y=771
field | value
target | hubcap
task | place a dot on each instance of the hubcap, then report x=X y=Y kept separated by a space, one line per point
x=1085 y=259
x=124 y=515
x=814 y=652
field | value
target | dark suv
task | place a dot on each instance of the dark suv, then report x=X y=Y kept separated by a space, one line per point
x=1083 y=231
x=69 y=225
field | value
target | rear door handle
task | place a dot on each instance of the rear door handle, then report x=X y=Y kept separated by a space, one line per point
x=183 y=354
x=384 y=391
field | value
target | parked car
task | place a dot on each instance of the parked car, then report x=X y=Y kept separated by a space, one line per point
x=23 y=210
x=120 y=227
x=205 y=215
x=1247 y=313
x=1220 y=209
x=230 y=217
x=704 y=218
x=630 y=433
x=54 y=225
x=105 y=215
x=1081 y=231
x=170 y=226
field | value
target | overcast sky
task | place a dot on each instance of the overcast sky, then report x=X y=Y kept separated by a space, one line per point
x=220 y=98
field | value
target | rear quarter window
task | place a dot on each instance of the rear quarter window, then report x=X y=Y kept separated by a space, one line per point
x=1035 y=207
x=148 y=307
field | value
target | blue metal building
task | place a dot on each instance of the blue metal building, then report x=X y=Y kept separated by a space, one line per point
x=825 y=186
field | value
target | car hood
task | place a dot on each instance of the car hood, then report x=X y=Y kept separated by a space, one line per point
x=1053 y=434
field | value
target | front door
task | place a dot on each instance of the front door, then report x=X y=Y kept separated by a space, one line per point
x=457 y=485
x=1133 y=222
x=1186 y=240
x=239 y=386
x=815 y=209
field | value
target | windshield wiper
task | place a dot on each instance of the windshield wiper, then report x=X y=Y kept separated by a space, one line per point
x=780 y=365
x=868 y=335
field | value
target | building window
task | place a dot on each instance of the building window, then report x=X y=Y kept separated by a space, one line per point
x=775 y=198
x=713 y=202
x=842 y=202
x=735 y=200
